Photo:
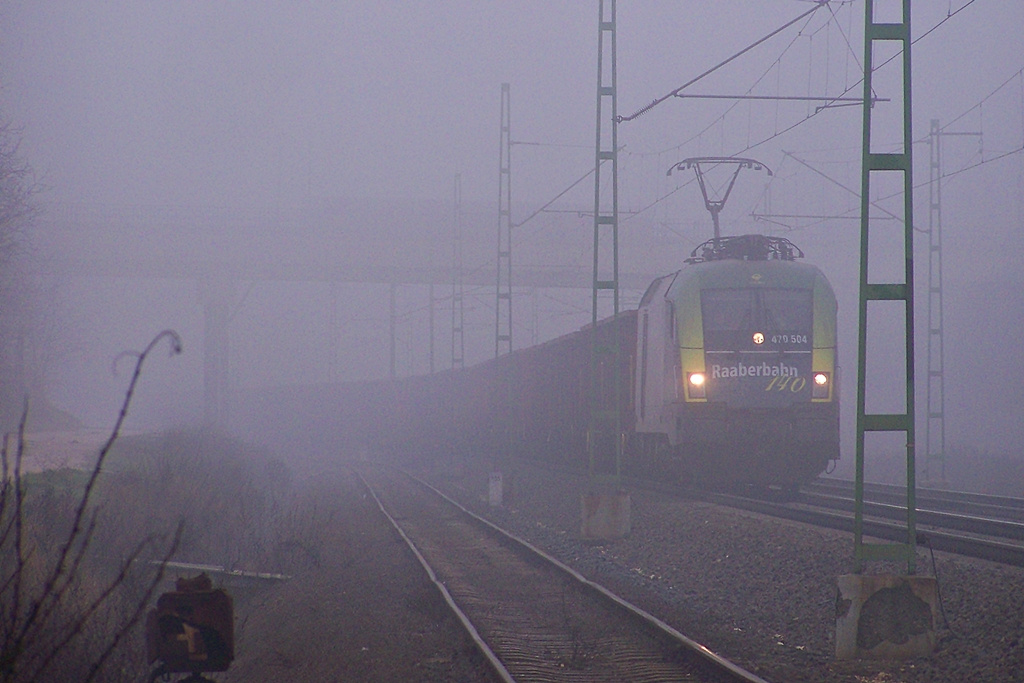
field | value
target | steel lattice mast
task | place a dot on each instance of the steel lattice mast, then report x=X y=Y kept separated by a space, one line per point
x=899 y=162
x=935 y=387
x=458 y=310
x=605 y=432
x=503 y=285
x=935 y=427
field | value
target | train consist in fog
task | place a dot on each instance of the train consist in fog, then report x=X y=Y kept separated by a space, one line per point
x=728 y=375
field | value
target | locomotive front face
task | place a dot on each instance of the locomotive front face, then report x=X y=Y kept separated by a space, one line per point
x=758 y=346
x=755 y=334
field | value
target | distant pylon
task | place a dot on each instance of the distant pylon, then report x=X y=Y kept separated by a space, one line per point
x=605 y=431
x=458 y=311
x=935 y=385
x=935 y=426
x=503 y=285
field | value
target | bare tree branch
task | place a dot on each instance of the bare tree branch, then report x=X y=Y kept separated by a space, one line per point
x=76 y=527
x=18 y=187
x=140 y=607
x=79 y=623
x=20 y=631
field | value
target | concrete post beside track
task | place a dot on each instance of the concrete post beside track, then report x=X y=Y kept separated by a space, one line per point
x=885 y=616
x=605 y=516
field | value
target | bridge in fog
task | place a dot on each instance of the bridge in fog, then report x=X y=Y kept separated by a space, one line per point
x=571 y=277
x=218 y=281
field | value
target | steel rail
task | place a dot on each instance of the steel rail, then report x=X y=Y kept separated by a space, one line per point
x=946 y=520
x=942 y=494
x=979 y=548
x=995 y=551
x=979 y=504
x=492 y=659
x=720 y=663
x=693 y=646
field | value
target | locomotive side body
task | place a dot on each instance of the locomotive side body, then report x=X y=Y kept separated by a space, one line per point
x=737 y=372
x=541 y=405
x=531 y=403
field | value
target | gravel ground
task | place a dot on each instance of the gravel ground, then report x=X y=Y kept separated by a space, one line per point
x=758 y=590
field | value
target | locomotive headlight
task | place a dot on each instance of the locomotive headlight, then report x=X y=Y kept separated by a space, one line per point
x=696 y=384
x=820 y=388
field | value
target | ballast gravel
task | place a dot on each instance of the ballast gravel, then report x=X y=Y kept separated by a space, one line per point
x=757 y=590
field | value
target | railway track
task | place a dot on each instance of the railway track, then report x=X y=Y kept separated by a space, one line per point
x=532 y=617
x=979 y=505
x=971 y=524
x=962 y=527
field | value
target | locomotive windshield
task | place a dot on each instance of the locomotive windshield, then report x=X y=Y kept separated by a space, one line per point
x=732 y=316
x=787 y=309
x=758 y=345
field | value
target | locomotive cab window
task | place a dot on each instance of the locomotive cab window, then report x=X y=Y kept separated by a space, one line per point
x=787 y=310
x=728 y=310
x=748 y=319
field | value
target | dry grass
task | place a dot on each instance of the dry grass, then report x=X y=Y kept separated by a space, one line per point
x=233 y=508
x=82 y=553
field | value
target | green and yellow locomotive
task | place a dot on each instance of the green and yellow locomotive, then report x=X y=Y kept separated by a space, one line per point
x=735 y=368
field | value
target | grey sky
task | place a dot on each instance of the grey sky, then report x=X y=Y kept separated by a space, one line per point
x=265 y=102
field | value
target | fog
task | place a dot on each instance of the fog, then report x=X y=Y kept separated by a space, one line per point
x=325 y=137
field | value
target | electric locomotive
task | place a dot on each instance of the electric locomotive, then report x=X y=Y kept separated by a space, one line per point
x=736 y=374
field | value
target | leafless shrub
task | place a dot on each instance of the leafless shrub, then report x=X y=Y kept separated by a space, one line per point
x=299 y=535
x=18 y=287
x=63 y=615
x=228 y=496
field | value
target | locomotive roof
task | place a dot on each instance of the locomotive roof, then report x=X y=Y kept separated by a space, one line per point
x=736 y=273
x=746 y=248
x=738 y=262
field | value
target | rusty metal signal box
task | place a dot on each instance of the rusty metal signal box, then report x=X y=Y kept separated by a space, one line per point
x=192 y=629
